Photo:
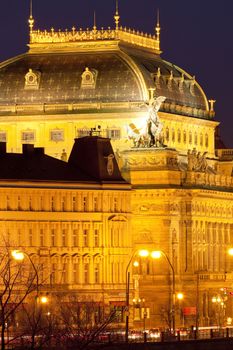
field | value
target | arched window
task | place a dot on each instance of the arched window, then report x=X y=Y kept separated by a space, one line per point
x=190 y=137
x=184 y=136
x=195 y=138
x=179 y=136
x=206 y=140
x=201 y=140
x=167 y=134
x=173 y=135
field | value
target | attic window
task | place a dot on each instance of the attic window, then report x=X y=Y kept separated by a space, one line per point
x=114 y=133
x=32 y=80
x=2 y=136
x=57 y=135
x=28 y=136
x=89 y=77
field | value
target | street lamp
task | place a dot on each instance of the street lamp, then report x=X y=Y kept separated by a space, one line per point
x=142 y=253
x=18 y=255
x=157 y=255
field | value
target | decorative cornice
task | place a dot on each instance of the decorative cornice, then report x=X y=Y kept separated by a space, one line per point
x=129 y=36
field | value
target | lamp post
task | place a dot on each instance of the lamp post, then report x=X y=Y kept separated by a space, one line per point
x=156 y=255
x=141 y=253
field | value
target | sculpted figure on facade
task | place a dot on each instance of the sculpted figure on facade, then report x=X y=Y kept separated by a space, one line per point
x=196 y=161
x=149 y=134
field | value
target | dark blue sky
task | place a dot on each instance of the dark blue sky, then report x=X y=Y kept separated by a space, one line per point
x=196 y=36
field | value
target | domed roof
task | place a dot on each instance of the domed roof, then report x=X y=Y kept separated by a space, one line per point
x=115 y=73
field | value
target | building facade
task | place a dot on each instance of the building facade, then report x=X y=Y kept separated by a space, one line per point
x=96 y=84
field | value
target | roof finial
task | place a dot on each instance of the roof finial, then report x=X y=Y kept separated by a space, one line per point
x=31 y=19
x=94 y=26
x=117 y=17
x=158 y=28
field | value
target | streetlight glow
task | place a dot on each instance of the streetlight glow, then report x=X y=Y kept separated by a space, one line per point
x=17 y=254
x=180 y=296
x=43 y=300
x=156 y=254
x=135 y=263
x=230 y=251
x=143 y=253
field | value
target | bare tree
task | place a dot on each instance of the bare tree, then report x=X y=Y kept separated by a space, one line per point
x=18 y=280
x=83 y=322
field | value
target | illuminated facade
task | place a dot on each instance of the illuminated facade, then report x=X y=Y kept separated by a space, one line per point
x=80 y=81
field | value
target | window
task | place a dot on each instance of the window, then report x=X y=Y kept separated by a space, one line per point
x=95 y=204
x=190 y=138
x=173 y=135
x=179 y=136
x=75 y=273
x=75 y=238
x=53 y=238
x=86 y=273
x=63 y=238
x=57 y=135
x=52 y=203
x=30 y=238
x=114 y=134
x=30 y=203
x=85 y=238
x=184 y=136
x=96 y=274
x=41 y=237
x=63 y=201
x=19 y=203
x=28 y=136
x=84 y=203
x=195 y=138
x=2 y=136
x=96 y=238
x=206 y=140
x=167 y=134
x=74 y=203
x=64 y=276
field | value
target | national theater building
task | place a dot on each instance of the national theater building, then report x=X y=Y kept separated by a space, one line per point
x=84 y=208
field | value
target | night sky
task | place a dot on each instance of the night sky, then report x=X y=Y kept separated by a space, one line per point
x=196 y=36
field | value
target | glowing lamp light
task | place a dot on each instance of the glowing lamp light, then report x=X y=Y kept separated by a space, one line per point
x=230 y=251
x=156 y=254
x=180 y=296
x=214 y=299
x=43 y=300
x=143 y=253
x=17 y=255
x=135 y=263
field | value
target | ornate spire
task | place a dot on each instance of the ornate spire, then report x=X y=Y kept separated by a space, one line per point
x=31 y=19
x=158 y=28
x=117 y=17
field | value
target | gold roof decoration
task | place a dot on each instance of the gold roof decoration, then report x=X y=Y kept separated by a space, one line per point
x=63 y=37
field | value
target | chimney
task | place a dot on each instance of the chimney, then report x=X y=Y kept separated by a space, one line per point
x=28 y=149
x=2 y=148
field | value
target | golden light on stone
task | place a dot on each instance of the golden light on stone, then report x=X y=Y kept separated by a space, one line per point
x=43 y=300
x=230 y=251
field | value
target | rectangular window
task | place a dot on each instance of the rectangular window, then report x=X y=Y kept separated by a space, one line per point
x=52 y=204
x=96 y=274
x=84 y=203
x=57 y=135
x=30 y=238
x=95 y=204
x=53 y=239
x=96 y=238
x=86 y=273
x=2 y=136
x=63 y=202
x=64 y=276
x=28 y=136
x=41 y=237
x=114 y=134
x=75 y=238
x=63 y=238
x=73 y=203
x=53 y=274
x=30 y=203
x=85 y=238
x=75 y=273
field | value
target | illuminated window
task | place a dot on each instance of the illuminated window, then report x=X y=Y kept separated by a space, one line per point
x=184 y=137
x=96 y=274
x=195 y=138
x=96 y=238
x=53 y=274
x=30 y=203
x=173 y=135
x=74 y=203
x=95 y=204
x=19 y=237
x=63 y=201
x=85 y=238
x=19 y=203
x=89 y=77
x=30 y=238
x=201 y=140
x=28 y=136
x=206 y=140
x=64 y=275
x=41 y=237
x=86 y=273
x=84 y=203
x=52 y=203
x=63 y=238
x=57 y=135
x=7 y=203
x=190 y=137
x=167 y=134
x=53 y=238
x=115 y=204
x=179 y=136
x=2 y=136
x=75 y=273
x=114 y=134
x=75 y=238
